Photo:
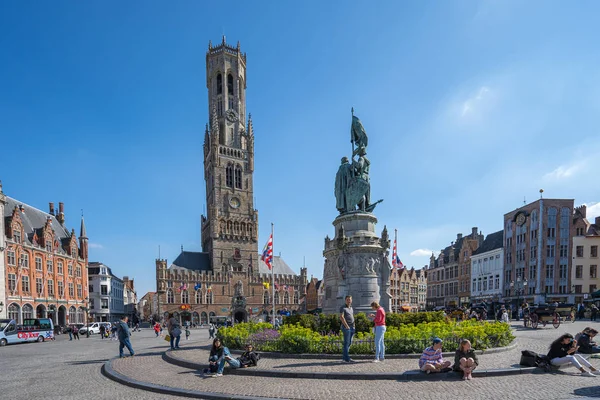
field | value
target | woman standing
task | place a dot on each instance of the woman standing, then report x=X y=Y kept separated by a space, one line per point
x=465 y=359
x=379 y=322
x=174 y=331
x=562 y=352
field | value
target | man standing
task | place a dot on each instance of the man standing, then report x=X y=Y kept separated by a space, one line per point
x=123 y=334
x=347 y=318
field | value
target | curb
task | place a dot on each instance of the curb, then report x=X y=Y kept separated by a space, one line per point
x=110 y=373
x=413 y=375
x=308 y=356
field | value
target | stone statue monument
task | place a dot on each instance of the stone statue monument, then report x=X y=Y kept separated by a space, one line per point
x=356 y=260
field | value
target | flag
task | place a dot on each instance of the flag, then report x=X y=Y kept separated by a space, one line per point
x=266 y=285
x=183 y=286
x=285 y=287
x=267 y=255
x=209 y=288
x=198 y=286
x=396 y=263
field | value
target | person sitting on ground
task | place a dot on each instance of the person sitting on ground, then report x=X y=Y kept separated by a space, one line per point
x=219 y=354
x=432 y=360
x=562 y=352
x=465 y=359
x=248 y=358
x=586 y=342
x=584 y=331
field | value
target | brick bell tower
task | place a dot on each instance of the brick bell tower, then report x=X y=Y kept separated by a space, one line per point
x=230 y=227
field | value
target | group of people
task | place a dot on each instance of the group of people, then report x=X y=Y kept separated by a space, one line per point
x=569 y=350
x=219 y=355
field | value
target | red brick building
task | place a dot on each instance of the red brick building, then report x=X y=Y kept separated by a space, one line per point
x=45 y=264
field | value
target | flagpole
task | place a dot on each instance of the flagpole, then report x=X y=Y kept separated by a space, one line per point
x=273 y=275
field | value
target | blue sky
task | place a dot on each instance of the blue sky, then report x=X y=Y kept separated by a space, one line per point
x=470 y=107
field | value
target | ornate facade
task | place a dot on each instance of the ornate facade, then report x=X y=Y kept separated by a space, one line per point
x=227 y=279
x=408 y=289
x=45 y=264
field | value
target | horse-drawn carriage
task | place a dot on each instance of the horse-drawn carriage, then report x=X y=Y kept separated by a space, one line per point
x=546 y=313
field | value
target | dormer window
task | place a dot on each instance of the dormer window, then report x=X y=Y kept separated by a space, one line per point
x=17 y=236
x=48 y=245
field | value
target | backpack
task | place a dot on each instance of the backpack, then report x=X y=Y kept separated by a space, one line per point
x=528 y=358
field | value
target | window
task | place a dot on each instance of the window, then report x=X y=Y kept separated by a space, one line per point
x=38 y=263
x=551 y=232
x=238 y=177
x=91 y=289
x=12 y=282
x=579 y=251
x=198 y=296
x=580 y=232
x=104 y=304
x=286 y=298
x=497 y=282
x=17 y=236
x=219 y=84
x=71 y=292
x=92 y=304
x=49 y=266
x=229 y=176
x=39 y=286
x=70 y=269
x=579 y=271
x=49 y=245
x=533 y=252
x=549 y=288
x=593 y=271
x=230 y=85
x=266 y=297
x=79 y=291
x=564 y=249
x=185 y=297
x=25 y=284
x=24 y=260
x=10 y=257
x=550 y=251
x=104 y=290
x=170 y=299
x=592 y=288
x=27 y=311
x=296 y=297
x=534 y=234
x=563 y=271
x=78 y=271
x=59 y=267
x=594 y=251
x=50 y=288
x=578 y=288
x=209 y=297
x=549 y=271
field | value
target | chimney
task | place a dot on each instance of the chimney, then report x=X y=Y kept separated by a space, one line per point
x=474 y=232
x=61 y=213
x=458 y=236
x=51 y=204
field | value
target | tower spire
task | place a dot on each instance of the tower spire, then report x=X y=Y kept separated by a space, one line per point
x=82 y=232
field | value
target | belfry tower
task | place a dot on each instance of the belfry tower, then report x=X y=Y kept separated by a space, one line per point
x=229 y=230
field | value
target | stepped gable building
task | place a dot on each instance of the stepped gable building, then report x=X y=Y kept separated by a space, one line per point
x=44 y=264
x=226 y=279
x=408 y=289
x=449 y=274
x=586 y=241
x=537 y=250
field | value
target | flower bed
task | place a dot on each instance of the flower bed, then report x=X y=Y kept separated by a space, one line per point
x=404 y=339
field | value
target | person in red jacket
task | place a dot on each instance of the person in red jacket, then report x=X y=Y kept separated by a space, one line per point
x=379 y=322
x=157 y=328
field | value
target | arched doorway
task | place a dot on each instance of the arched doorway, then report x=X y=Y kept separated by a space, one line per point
x=27 y=312
x=186 y=318
x=239 y=316
x=40 y=311
x=204 y=318
x=52 y=313
x=195 y=318
x=62 y=316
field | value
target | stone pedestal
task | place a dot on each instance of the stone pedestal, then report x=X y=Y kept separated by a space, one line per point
x=356 y=264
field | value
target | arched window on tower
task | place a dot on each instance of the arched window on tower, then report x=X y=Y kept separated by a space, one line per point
x=229 y=176
x=169 y=296
x=238 y=177
x=219 y=84
x=230 y=85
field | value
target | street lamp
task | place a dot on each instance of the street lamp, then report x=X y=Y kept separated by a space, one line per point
x=87 y=319
x=518 y=287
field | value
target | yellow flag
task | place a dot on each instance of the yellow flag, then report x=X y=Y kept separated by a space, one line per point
x=266 y=285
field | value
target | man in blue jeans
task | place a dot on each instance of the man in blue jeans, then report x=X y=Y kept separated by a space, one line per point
x=123 y=334
x=347 y=318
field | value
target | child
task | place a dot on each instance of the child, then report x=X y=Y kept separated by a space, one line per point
x=187 y=332
x=465 y=359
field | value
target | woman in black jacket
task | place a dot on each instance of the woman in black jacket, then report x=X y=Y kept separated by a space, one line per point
x=248 y=358
x=562 y=352
x=586 y=342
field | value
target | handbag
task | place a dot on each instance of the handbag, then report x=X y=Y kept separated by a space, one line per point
x=167 y=338
x=176 y=332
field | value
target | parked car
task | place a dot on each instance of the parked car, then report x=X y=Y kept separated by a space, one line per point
x=94 y=328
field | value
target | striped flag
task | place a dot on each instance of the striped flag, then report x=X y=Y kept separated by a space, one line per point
x=267 y=255
x=396 y=263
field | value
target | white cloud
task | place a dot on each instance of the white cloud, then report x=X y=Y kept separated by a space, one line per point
x=423 y=253
x=472 y=103
x=593 y=211
x=565 y=171
x=95 y=246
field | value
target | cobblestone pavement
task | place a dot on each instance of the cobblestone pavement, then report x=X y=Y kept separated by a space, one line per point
x=70 y=370
x=564 y=385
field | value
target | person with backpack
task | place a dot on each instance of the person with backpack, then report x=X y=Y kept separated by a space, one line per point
x=562 y=352
x=249 y=358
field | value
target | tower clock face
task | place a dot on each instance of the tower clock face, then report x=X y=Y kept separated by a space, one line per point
x=521 y=219
x=231 y=115
x=234 y=202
